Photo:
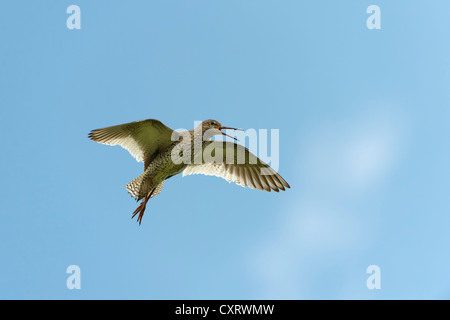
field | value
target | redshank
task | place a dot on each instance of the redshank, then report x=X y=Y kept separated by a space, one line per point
x=166 y=153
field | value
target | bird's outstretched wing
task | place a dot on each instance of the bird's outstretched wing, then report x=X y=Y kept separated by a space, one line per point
x=235 y=163
x=143 y=139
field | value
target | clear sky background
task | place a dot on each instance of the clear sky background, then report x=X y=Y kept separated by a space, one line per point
x=364 y=143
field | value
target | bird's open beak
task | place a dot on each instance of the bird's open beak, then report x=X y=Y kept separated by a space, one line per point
x=222 y=128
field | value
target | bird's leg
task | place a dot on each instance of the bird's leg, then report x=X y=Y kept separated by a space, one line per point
x=142 y=206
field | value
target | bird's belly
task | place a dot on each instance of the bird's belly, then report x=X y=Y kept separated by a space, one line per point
x=160 y=169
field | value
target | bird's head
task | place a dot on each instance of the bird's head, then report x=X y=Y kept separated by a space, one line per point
x=214 y=127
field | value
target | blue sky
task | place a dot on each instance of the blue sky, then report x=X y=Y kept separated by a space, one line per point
x=363 y=119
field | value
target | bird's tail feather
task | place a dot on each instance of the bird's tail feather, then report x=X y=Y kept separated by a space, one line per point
x=139 y=187
x=134 y=187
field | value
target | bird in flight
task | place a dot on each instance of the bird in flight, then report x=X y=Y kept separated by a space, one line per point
x=166 y=153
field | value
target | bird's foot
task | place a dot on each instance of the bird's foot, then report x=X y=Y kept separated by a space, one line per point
x=140 y=210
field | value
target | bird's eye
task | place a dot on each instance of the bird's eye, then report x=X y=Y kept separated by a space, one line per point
x=212 y=123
